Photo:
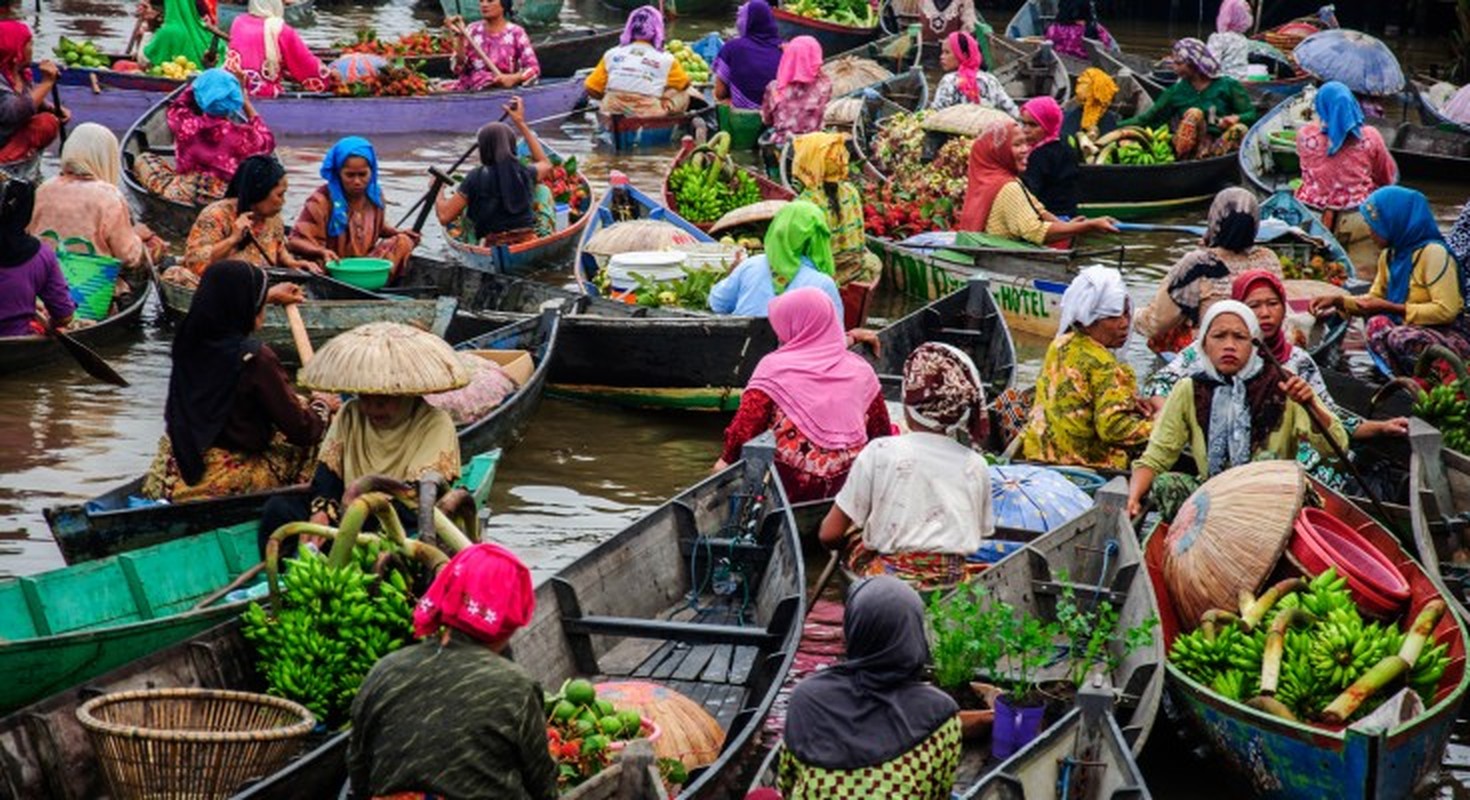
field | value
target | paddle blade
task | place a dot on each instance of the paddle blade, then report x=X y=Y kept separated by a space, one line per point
x=90 y=361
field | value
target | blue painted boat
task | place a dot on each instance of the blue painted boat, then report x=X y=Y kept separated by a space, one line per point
x=627 y=132
x=585 y=266
x=1297 y=761
x=542 y=254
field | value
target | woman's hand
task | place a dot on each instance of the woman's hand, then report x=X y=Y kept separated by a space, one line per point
x=510 y=80
x=331 y=400
x=48 y=70
x=513 y=108
x=1325 y=304
x=1299 y=390
x=285 y=294
x=867 y=337
x=241 y=226
x=1103 y=225
x=1368 y=428
x=720 y=464
x=1369 y=304
x=1228 y=120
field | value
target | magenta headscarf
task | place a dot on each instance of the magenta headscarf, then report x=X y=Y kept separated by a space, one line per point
x=801 y=62
x=645 y=24
x=825 y=389
x=1047 y=114
x=1234 y=17
x=484 y=591
x=967 y=51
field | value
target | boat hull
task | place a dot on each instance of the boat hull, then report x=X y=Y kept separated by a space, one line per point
x=304 y=115
x=834 y=38
x=1135 y=192
x=20 y=353
x=698 y=8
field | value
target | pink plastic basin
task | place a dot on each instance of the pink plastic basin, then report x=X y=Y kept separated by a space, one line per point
x=1323 y=541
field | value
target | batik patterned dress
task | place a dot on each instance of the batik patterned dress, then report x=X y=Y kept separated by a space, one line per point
x=1085 y=414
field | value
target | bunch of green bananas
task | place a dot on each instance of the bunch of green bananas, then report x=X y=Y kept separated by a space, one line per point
x=1154 y=148
x=1204 y=659
x=1300 y=688
x=701 y=198
x=1325 y=593
x=1444 y=407
x=1343 y=648
x=1424 y=677
x=334 y=625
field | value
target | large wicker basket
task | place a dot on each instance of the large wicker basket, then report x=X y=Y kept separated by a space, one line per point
x=191 y=743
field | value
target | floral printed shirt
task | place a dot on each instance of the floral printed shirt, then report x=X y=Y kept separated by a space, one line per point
x=992 y=94
x=1345 y=179
x=1085 y=413
x=799 y=109
x=510 y=49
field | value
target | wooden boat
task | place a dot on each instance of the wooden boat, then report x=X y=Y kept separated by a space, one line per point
x=627 y=132
x=1428 y=152
x=1083 y=739
x=1283 y=759
x=542 y=254
x=561 y=52
x=1027 y=69
x=20 y=353
x=1439 y=495
x=300 y=13
x=535 y=12
x=833 y=36
x=150 y=134
x=1430 y=114
x=110 y=524
x=695 y=8
x=1326 y=338
x=770 y=190
x=620 y=611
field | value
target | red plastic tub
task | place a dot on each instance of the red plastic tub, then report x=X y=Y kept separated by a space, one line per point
x=1323 y=541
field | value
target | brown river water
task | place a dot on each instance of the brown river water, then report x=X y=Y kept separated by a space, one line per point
x=582 y=471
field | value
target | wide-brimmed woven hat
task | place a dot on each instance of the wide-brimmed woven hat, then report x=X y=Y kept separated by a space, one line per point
x=764 y=211
x=385 y=358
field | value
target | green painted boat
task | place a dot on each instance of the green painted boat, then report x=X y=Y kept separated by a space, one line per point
x=697 y=8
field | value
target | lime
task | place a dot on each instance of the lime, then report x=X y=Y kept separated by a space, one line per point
x=595 y=743
x=605 y=707
x=585 y=727
x=563 y=711
x=581 y=692
x=611 y=725
x=632 y=721
x=588 y=714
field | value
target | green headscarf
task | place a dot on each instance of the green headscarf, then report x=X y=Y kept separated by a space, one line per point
x=182 y=34
x=798 y=230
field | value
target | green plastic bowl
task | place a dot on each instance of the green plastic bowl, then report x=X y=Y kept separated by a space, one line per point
x=364 y=273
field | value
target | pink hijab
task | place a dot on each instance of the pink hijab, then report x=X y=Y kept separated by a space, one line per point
x=825 y=389
x=1234 y=17
x=801 y=62
x=484 y=591
x=967 y=51
x=1047 y=114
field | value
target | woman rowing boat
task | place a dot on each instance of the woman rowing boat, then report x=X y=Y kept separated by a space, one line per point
x=30 y=275
x=512 y=60
x=503 y=200
x=27 y=123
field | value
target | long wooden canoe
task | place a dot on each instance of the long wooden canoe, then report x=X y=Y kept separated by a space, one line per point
x=1026 y=69
x=150 y=134
x=770 y=190
x=562 y=52
x=1439 y=499
x=620 y=611
x=20 y=353
x=1278 y=758
x=695 y=8
x=628 y=132
x=833 y=36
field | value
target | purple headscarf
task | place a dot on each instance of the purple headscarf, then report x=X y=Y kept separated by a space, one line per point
x=748 y=63
x=645 y=24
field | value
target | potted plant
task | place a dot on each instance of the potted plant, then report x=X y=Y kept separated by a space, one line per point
x=1027 y=645
x=1092 y=636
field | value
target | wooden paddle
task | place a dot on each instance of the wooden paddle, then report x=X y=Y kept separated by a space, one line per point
x=56 y=101
x=90 y=361
x=427 y=200
x=134 y=39
x=464 y=33
x=298 y=334
x=1148 y=227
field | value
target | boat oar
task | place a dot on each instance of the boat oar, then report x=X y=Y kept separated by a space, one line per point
x=479 y=51
x=1148 y=227
x=1336 y=448
x=134 y=39
x=90 y=361
x=298 y=333
x=427 y=199
x=56 y=101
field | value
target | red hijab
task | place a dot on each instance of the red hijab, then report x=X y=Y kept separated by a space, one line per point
x=14 y=35
x=1279 y=345
x=992 y=166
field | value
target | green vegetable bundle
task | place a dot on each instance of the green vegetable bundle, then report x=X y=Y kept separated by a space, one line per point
x=855 y=13
x=691 y=291
x=709 y=185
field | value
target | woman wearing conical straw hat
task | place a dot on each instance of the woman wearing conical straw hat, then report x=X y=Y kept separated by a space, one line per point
x=388 y=429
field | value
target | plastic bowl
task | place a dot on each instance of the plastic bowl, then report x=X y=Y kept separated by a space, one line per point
x=651 y=732
x=1323 y=541
x=364 y=273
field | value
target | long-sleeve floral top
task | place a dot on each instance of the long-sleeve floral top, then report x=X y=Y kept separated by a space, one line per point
x=808 y=470
x=1085 y=414
x=799 y=109
x=991 y=93
x=510 y=49
x=215 y=223
x=1345 y=178
x=214 y=145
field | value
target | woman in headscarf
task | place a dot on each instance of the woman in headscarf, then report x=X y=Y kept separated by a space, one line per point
x=503 y=200
x=29 y=273
x=489 y=733
x=1213 y=111
x=245 y=226
x=27 y=123
x=505 y=43
x=1087 y=411
x=747 y=64
x=870 y=725
x=638 y=78
x=234 y=424
x=998 y=202
x=1416 y=299
x=1228 y=42
x=182 y=33
x=215 y=128
x=796 y=100
x=821 y=401
x=1094 y=94
x=964 y=81
x=1076 y=20
x=798 y=253
x=1051 y=166
x=921 y=499
x=820 y=165
x=85 y=201
x=1343 y=161
x=1205 y=273
x=1265 y=295
x=344 y=217
x=1236 y=409
x=267 y=50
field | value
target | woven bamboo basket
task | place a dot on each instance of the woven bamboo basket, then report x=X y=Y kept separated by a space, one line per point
x=965 y=119
x=850 y=73
x=635 y=235
x=173 y=744
x=690 y=734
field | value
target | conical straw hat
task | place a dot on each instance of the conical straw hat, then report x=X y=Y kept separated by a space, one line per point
x=764 y=211
x=385 y=358
x=1229 y=535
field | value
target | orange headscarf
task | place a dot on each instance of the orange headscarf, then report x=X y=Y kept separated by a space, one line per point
x=992 y=166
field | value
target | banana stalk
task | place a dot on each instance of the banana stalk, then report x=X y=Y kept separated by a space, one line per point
x=1214 y=620
x=1276 y=644
x=1253 y=612
x=1271 y=706
x=1420 y=631
x=1382 y=674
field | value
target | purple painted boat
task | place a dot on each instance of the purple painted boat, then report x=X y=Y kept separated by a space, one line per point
x=323 y=116
x=114 y=100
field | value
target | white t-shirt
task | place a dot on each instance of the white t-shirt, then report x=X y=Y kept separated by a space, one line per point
x=637 y=68
x=919 y=492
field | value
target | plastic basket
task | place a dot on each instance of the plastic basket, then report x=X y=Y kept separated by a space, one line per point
x=91 y=278
x=744 y=127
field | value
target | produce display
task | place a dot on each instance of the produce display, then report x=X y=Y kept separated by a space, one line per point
x=1316 y=268
x=82 y=54
x=1302 y=651
x=854 y=13
x=1133 y=146
x=922 y=194
x=709 y=185
x=691 y=291
x=747 y=238
x=692 y=62
x=396 y=79
x=421 y=43
x=581 y=730
x=566 y=186
x=178 y=69
x=1444 y=406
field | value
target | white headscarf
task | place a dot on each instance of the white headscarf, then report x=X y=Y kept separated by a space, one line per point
x=1096 y=293
x=1229 y=441
x=274 y=14
x=92 y=151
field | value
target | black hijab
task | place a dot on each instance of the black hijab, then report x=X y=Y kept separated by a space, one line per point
x=17 y=201
x=1073 y=11
x=499 y=190
x=253 y=181
x=872 y=707
x=209 y=352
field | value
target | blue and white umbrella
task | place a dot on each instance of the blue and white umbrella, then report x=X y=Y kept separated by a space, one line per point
x=1034 y=498
x=1358 y=60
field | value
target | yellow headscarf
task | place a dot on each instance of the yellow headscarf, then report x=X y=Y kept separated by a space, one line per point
x=1095 y=91
x=426 y=440
x=819 y=158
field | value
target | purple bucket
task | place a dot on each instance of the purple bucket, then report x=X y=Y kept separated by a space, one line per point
x=1014 y=727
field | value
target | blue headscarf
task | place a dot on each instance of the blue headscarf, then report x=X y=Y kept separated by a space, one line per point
x=1402 y=217
x=1340 y=114
x=217 y=93
x=332 y=163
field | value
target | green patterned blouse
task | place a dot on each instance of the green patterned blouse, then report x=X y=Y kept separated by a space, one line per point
x=925 y=772
x=1085 y=413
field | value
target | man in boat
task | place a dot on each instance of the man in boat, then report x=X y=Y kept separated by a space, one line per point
x=638 y=78
x=451 y=716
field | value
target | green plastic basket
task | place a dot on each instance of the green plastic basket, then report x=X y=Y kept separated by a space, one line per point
x=91 y=278
x=364 y=273
x=744 y=127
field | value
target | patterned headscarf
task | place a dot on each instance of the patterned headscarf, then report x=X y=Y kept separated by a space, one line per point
x=644 y=25
x=1234 y=219
x=1234 y=17
x=942 y=389
x=1194 y=53
x=967 y=51
x=1095 y=91
x=484 y=591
